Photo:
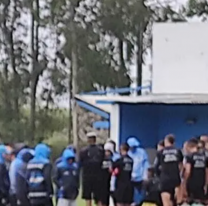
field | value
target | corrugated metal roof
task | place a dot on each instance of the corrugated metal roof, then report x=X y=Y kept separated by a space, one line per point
x=101 y=101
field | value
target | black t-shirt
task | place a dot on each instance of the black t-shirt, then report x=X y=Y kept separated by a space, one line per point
x=124 y=165
x=168 y=161
x=91 y=158
x=199 y=163
x=107 y=164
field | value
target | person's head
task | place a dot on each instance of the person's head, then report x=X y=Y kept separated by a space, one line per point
x=9 y=156
x=71 y=147
x=204 y=138
x=160 y=145
x=169 y=140
x=109 y=149
x=133 y=143
x=91 y=138
x=42 y=150
x=2 y=152
x=124 y=148
x=68 y=156
x=193 y=145
x=113 y=143
x=201 y=145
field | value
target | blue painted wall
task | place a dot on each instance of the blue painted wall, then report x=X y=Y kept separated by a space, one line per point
x=151 y=122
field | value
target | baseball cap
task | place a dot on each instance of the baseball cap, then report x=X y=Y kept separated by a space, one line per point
x=91 y=134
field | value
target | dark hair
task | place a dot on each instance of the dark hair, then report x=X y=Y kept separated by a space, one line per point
x=113 y=143
x=170 y=138
x=193 y=142
x=161 y=143
x=202 y=143
x=125 y=147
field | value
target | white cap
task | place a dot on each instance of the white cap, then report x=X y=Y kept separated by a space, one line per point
x=109 y=146
x=91 y=134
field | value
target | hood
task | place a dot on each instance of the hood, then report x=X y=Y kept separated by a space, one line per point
x=67 y=154
x=2 y=152
x=22 y=152
x=71 y=147
x=42 y=150
x=133 y=142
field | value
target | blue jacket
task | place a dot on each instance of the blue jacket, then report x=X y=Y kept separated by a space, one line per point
x=40 y=187
x=4 y=177
x=14 y=168
x=66 y=176
x=141 y=164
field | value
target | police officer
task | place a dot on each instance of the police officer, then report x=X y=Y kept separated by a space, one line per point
x=40 y=189
x=140 y=167
x=4 y=178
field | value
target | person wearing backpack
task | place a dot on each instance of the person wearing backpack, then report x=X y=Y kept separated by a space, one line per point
x=90 y=161
x=24 y=156
x=66 y=179
x=40 y=189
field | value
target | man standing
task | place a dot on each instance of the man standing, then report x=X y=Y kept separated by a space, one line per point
x=170 y=160
x=40 y=189
x=91 y=158
x=196 y=173
x=140 y=167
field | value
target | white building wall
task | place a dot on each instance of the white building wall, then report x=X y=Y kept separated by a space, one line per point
x=180 y=58
x=114 y=123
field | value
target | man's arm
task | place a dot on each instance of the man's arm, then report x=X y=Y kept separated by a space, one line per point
x=47 y=176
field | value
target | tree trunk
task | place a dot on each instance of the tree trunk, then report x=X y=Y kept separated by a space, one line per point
x=139 y=56
x=74 y=62
x=34 y=76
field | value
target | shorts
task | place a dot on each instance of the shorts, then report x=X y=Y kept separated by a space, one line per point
x=196 y=192
x=90 y=189
x=169 y=186
x=104 y=194
x=124 y=193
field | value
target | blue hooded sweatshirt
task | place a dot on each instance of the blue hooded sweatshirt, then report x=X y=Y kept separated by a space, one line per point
x=14 y=168
x=140 y=158
x=4 y=177
x=67 y=176
x=39 y=176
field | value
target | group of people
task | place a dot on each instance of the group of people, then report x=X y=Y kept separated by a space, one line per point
x=181 y=174
x=28 y=177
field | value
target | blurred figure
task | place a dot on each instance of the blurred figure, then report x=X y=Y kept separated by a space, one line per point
x=170 y=160
x=204 y=138
x=115 y=157
x=152 y=189
x=40 y=188
x=24 y=156
x=140 y=167
x=67 y=179
x=123 y=168
x=4 y=178
x=107 y=165
x=195 y=178
x=90 y=160
x=160 y=145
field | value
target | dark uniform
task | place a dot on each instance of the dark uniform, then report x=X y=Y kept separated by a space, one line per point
x=105 y=181
x=168 y=161
x=91 y=158
x=197 y=179
x=123 y=188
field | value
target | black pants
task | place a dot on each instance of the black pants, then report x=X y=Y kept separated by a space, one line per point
x=13 y=200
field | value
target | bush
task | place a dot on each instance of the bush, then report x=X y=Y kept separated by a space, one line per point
x=58 y=143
